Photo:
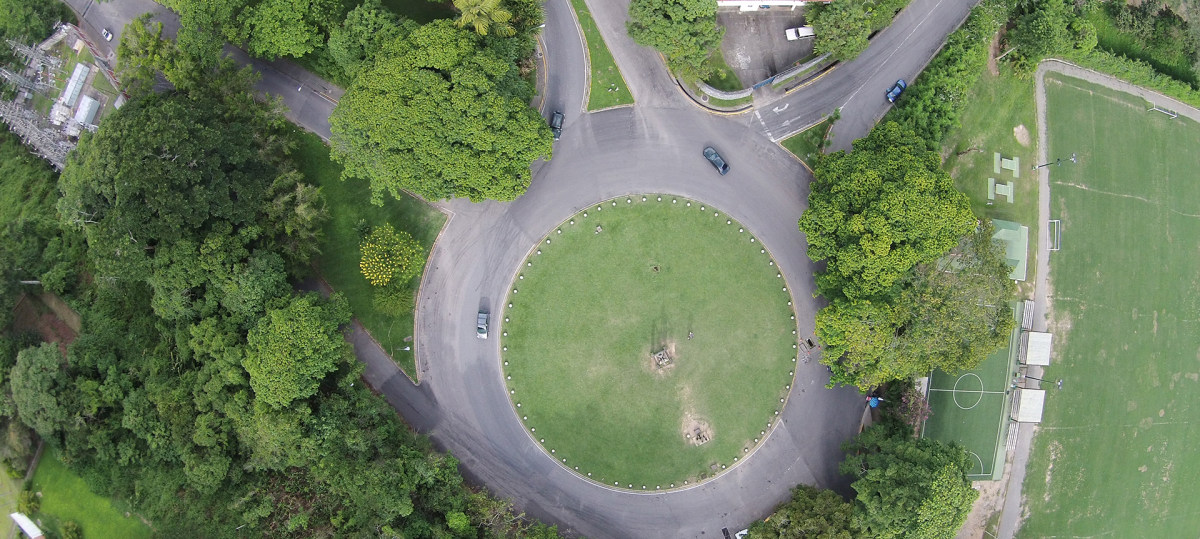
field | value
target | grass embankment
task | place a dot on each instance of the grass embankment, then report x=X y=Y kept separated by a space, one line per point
x=592 y=309
x=1114 y=454
x=608 y=87
x=808 y=145
x=1001 y=118
x=349 y=202
x=65 y=497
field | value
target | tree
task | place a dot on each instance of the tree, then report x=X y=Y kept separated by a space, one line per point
x=441 y=116
x=685 y=31
x=30 y=21
x=812 y=513
x=908 y=487
x=842 y=29
x=950 y=314
x=36 y=382
x=1046 y=28
x=876 y=212
x=354 y=42
x=267 y=28
x=292 y=348
x=390 y=256
x=484 y=16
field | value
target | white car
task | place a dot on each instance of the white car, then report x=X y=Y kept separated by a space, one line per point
x=107 y=35
x=799 y=32
x=481 y=325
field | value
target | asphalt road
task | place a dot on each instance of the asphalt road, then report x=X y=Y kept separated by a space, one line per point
x=857 y=87
x=653 y=147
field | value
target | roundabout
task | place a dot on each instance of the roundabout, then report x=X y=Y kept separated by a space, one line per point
x=649 y=342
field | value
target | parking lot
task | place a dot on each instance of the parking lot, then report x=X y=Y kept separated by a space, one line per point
x=755 y=46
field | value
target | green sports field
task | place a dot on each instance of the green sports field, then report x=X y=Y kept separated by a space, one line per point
x=1116 y=453
x=593 y=308
x=971 y=408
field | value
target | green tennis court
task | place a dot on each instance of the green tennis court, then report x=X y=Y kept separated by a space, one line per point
x=971 y=408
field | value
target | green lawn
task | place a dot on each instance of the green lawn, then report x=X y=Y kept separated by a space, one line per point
x=1000 y=110
x=1115 y=455
x=66 y=497
x=608 y=86
x=723 y=77
x=591 y=310
x=807 y=144
x=338 y=263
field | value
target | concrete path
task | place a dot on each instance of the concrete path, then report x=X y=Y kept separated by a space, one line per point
x=1014 y=511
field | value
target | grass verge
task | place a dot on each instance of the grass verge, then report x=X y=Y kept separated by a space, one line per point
x=348 y=203
x=1113 y=455
x=594 y=306
x=65 y=497
x=608 y=86
x=723 y=77
x=1000 y=118
x=809 y=144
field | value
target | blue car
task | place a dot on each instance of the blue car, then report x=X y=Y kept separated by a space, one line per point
x=716 y=160
x=895 y=91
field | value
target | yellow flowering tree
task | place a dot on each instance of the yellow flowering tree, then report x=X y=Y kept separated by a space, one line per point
x=390 y=257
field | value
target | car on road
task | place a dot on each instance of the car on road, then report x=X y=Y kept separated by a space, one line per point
x=481 y=328
x=107 y=35
x=894 y=93
x=796 y=33
x=556 y=121
x=716 y=160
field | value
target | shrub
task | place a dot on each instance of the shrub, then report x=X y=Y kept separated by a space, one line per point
x=390 y=256
x=28 y=502
x=394 y=300
x=71 y=530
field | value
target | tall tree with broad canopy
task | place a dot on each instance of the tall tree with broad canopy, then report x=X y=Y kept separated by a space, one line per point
x=485 y=16
x=908 y=487
x=37 y=382
x=441 y=115
x=685 y=31
x=879 y=210
x=293 y=347
x=950 y=314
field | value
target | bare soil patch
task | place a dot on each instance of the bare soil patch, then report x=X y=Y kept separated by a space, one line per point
x=1021 y=133
x=696 y=430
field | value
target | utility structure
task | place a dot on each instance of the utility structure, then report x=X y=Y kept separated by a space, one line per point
x=1057 y=162
x=50 y=143
x=24 y=83
x=36 y=56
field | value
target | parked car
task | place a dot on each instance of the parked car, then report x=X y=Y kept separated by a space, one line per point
x=895 y=91
x=556 y=121
x=799 y=32
x=716 y=160
x=107 y=35
x=481 y=328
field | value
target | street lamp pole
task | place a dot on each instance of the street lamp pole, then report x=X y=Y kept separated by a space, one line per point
x=1058 y=382
x=1057 y=162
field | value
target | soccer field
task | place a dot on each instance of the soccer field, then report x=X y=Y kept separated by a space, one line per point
x=1116 y=453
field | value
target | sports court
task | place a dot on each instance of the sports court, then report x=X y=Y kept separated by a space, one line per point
x=972 y=408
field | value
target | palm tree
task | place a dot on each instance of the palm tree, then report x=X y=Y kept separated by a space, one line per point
x=484 y=15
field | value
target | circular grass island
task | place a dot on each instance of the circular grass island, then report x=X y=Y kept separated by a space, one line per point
x=648 y=342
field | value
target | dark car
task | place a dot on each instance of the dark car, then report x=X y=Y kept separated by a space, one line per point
x=715 y=158
x=895 y=91
x=556 y=121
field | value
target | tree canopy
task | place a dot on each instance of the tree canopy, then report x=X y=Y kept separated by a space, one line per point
x=37 y=382
x=811 y=513
x=267 y=28
x=440 y=115
x=908 y=487
x=292 y=348
x=877 y=211
x=685 y=31
x=1045 y=28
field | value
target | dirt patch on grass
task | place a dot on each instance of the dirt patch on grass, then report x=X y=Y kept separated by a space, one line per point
x=1021 y=133
x=993 y=65
x=1055 y=450
x=989 y=503
x=696 y=430
x=654 y=362
x=31 y=314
